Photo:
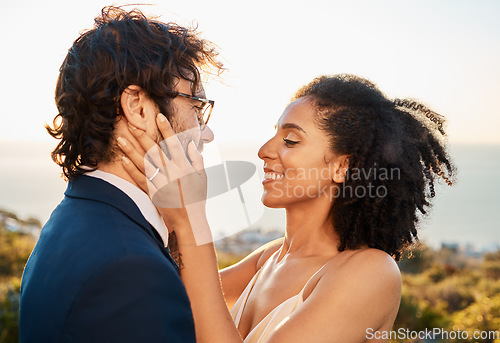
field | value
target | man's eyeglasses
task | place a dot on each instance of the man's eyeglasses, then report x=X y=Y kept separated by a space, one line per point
x=205 y=107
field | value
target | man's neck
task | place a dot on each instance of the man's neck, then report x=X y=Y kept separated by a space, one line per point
x=116 y=168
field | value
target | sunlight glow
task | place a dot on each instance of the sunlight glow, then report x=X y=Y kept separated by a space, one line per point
x=444 y=53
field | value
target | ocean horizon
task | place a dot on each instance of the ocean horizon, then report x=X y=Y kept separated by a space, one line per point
x=465 y=214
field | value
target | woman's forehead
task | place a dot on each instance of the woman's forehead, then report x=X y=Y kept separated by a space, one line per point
x=300 y=112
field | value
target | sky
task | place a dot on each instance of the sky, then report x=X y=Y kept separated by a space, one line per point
x=445 y=53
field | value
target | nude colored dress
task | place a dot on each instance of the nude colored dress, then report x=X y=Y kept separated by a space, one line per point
x=281 y=312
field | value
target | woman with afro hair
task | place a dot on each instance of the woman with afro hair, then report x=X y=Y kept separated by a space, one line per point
x=354 y=171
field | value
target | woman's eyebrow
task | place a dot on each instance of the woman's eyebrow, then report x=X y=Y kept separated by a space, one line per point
x=291 y=126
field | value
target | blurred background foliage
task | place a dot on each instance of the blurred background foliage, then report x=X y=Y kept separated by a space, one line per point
x=449 y=290
x=441 y=288
x=15 y=248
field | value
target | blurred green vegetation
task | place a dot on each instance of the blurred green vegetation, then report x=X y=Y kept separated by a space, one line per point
x=15 y=248
x=441 y=288
x=447 y=289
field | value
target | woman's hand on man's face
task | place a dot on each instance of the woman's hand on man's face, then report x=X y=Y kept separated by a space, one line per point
x=176 y=183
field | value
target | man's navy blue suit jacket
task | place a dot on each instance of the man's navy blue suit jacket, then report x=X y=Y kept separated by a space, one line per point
x=100 y=273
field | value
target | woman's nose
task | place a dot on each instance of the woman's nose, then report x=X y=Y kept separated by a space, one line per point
x=267 y=151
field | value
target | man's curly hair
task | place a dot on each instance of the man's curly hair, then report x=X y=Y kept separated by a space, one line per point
x=123 y=48
x=385 y=135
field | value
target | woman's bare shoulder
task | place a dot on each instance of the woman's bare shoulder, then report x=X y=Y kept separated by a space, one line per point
x=378 y=259
x=365 y=270
x=355 y=290
x=366 y=264
x=267 y=250
x=351 y=269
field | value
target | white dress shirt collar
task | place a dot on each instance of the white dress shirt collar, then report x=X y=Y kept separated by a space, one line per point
x=140 y=198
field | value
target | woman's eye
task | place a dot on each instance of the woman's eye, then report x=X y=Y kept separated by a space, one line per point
x=289 y=142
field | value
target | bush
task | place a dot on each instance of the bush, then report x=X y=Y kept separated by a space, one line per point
x=491 y=269
x=483 y=315
x=417 y=314
x=9 y=310
x=453 y=292
x=15 y=248
x=416 y=260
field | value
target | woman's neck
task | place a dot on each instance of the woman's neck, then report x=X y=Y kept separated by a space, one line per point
x=309 y=229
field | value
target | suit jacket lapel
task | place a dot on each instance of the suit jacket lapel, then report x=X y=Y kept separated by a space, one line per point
x=91 y=188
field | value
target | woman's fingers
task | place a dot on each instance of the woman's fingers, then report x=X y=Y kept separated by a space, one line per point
x=151 y=185
x=135 y=174
x=174 y=146
x=167 y=181
x=152 y=152
x=196 y=159
x=154 y=172
x=142 y=137
x=132 y=154
x=164 y=126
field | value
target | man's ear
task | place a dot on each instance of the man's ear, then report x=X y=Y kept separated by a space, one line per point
x=133 y=101
x=340 y=165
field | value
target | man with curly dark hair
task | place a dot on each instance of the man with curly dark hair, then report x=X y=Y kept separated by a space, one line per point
x=101 y=270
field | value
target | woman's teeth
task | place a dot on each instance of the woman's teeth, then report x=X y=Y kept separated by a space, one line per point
x=273 y=176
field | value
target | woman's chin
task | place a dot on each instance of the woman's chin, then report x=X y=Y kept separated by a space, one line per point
x=272 y=202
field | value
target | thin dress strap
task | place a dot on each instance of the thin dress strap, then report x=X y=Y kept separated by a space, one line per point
x=240 y=304
x=273 y=319
x=303 y=288
x=242 y=300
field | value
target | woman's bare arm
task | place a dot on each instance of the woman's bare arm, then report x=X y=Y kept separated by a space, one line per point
x=236 y=277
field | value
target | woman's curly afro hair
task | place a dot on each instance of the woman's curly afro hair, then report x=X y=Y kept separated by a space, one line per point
x=395 y=147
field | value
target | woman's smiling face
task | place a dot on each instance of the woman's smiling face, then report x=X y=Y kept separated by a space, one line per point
x=298 y=163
